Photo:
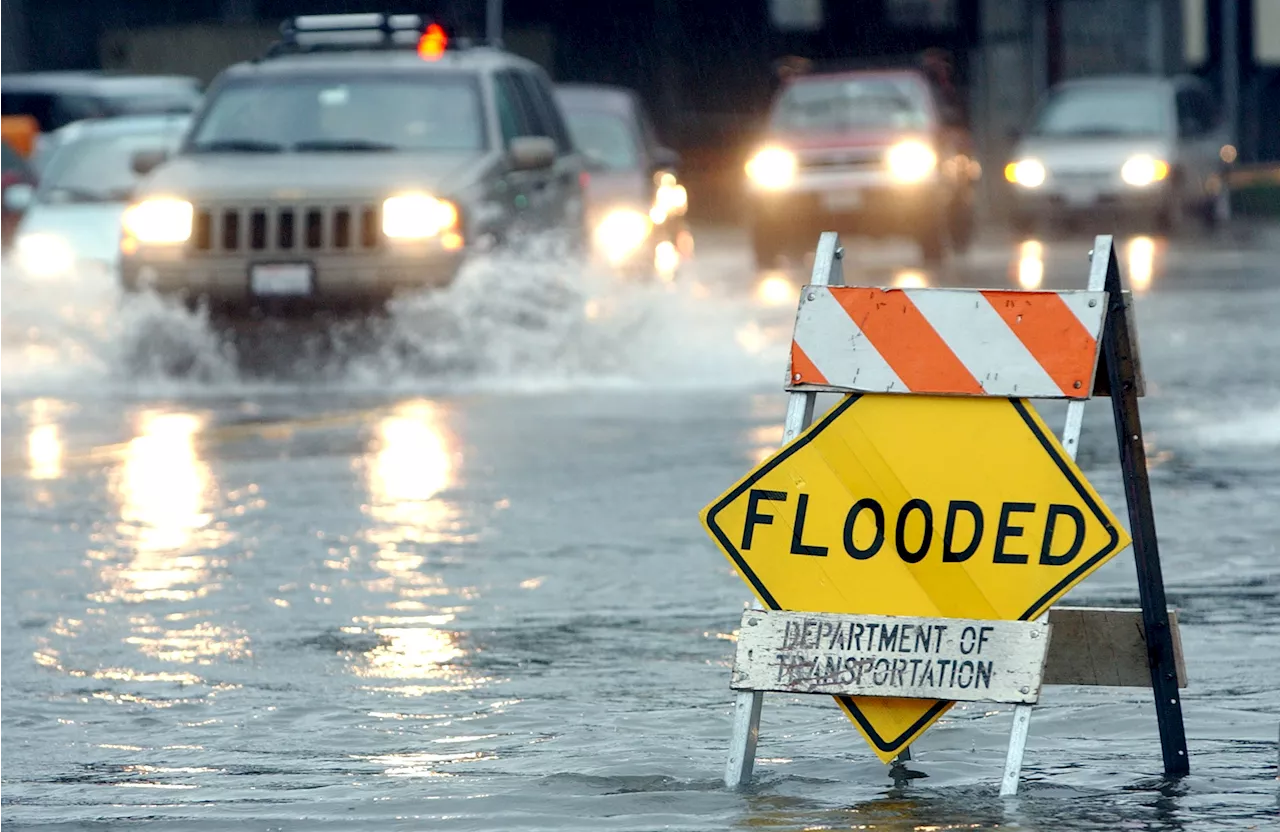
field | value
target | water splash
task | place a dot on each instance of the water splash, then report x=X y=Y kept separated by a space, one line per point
x=528 y=319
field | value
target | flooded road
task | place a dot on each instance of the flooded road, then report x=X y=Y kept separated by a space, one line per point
x=452 y=577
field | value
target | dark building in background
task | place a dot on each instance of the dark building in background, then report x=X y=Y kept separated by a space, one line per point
x=706 y=68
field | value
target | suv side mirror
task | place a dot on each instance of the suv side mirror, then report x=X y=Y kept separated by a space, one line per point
x=145 y=161
x=532 y=152
x=18 y=198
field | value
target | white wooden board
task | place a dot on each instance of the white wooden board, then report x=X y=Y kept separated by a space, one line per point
x=954 y=659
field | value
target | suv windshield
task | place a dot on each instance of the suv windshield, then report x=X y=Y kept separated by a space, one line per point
x=605 y=137
x=834 y=104
x=437 y=112
x=98 y=168
x=1133 y=111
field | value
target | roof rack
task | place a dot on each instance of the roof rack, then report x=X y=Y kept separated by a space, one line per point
x=348 y=32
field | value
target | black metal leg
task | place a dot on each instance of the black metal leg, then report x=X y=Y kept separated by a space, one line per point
x=1118 y=355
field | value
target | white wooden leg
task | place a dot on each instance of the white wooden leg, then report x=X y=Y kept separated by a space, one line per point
x=1070 y=444
x=827 y=270
x=1017 y=746
x=746 y=731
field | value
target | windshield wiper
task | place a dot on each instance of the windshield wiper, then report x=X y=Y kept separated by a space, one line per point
x=237 y=146
x=343 y=145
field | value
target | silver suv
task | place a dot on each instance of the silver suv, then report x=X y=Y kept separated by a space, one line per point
x=360 y=157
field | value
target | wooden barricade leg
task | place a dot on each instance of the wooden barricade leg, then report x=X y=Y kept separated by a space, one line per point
x=1071 y=444
x=1117 y=350
x=827 y=271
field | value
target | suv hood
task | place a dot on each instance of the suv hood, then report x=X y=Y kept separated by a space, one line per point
x=301 y=176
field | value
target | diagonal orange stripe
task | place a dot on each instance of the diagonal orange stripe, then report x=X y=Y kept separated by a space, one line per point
x=1052 y=334
x=804 y=371
x=906 y=341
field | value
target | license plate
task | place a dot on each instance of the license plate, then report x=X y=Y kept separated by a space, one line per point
x=842 y=201
x=1080 y=197
x=281 y=279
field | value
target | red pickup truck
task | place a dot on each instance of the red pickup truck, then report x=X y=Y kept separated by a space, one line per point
x=873 y=153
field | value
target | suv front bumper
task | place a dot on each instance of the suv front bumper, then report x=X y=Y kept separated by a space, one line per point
x=865 y=201
x=339 y=280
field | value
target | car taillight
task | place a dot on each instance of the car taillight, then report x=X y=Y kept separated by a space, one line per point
x=584 y=179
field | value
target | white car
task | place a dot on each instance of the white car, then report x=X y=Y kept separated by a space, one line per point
x=1122 y=147
x=71 y=228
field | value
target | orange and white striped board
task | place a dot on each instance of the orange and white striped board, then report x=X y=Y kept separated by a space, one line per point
x=961 y=342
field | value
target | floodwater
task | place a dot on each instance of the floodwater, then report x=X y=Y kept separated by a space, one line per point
x=446 y=572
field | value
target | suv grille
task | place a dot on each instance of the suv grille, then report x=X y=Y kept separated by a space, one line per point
x=286 y=228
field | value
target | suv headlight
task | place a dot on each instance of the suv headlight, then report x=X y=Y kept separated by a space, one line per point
x=417 y=216
x=159 y=221
x=911 y=161
x=621 y=233
x=1029 y=173
x=773 y=168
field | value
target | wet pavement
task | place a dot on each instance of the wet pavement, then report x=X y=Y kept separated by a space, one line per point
x=445 y=571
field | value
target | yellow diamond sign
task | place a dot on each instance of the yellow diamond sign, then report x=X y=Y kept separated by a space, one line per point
x=915 y=505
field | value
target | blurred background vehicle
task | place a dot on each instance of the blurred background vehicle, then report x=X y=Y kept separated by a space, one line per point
x=55 y=99
x=16 y=189
x=636 y=207
x=362 y=156
x=1150 y=149
x=865 y=153
x=72 y=222
x=40 y=103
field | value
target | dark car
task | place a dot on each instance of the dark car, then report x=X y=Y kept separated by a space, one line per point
x=55 y=99
x=635 y=205
x=358 y=159
x=865 y=153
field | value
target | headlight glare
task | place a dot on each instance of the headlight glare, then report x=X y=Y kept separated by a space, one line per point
x=417 y=216
x=44 y=255
x=159 y=221
x=621 y=233
x=1029 y=173
x=670 y=199
x=911 y=161
x=1141 y=171
x=773 y=168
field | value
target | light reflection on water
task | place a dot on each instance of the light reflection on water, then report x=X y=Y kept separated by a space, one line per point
x=45 y=447
x=412 y=461
x=160 y=560
x=410 y=464
x=1030 y=264
x=762 y=441
x=44 y=452
x=162 y=488
x=1140 y=258
x=421 y=764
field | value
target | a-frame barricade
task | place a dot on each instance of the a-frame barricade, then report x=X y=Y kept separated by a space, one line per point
x=876 y=344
